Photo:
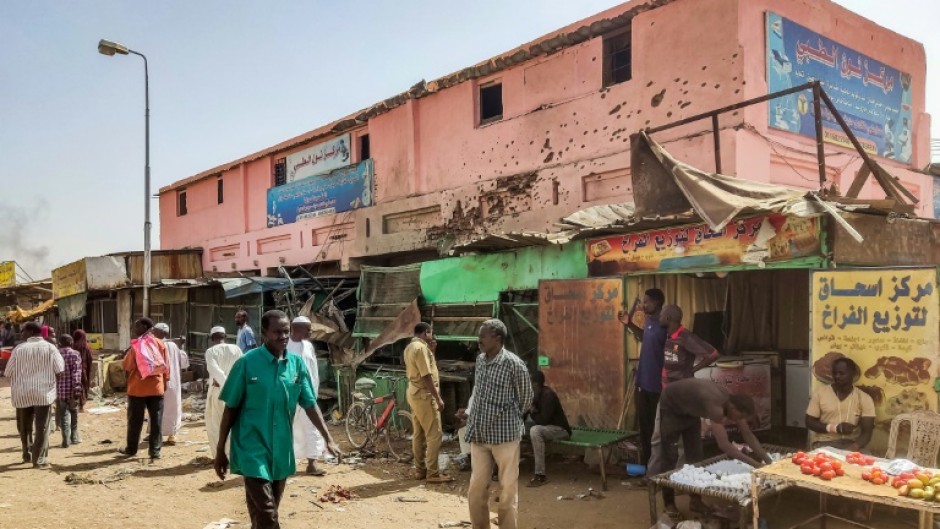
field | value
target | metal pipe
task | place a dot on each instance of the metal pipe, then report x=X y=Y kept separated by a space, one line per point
x=820 y=153
x=147 y=225
x=717 y=140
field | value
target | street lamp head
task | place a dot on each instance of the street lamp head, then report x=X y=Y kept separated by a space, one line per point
x=106 y=47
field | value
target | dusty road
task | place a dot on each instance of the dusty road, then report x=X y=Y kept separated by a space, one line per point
x=178 y=491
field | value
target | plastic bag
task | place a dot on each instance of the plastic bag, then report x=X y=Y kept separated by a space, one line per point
x=689 y=524
x=663 y=522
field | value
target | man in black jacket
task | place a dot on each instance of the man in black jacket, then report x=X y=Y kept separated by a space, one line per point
x=550 y=424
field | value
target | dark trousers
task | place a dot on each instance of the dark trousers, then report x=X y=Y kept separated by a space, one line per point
x=646 y=404
x=263 y=498
x=66 y=415
x=33 y=426
x=691 y=436
x=135 y=422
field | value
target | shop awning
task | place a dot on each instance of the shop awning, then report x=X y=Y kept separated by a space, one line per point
x=241 y=286
x=19 y=315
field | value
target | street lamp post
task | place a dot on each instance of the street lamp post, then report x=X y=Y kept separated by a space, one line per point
x=106 y=47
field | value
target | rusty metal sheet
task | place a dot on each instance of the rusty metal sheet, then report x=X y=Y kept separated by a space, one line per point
x=105 y=273
x=654 y=189
x=580 y=334
x=888 y=242
x=165 y=264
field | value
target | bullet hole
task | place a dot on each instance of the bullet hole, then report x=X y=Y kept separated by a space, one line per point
x=593 y=59
x=669 y=114
x=513 y=142
x=505 y=164
x=517 y=163
x=549 y=158
x=685 y=82
x=571 y=140
x=585 y=133
x=717 y=86
x=605 y=128
x=567 y=149
x=618 y=116
x=638 y=112
x=743 y=83
x=647 y=122
x=737 y=91
x=683 y=105
x=735 y=56
x=548 y=144
x=614 y=110
x=704 y=68
x=734 y=78
x=649 y=84
x=574 y=113
x=595 y=131
x=676 y=80
x=735 y=113
x=658 y=98
x=531 y=142
x=603 y=95
x=582 y=145
x=685 y=92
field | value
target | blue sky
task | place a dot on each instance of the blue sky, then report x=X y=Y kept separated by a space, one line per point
x=227 y=79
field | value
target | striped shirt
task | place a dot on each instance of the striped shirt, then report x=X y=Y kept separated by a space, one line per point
x=32 y=372
x=502 y=392
x=69 y=383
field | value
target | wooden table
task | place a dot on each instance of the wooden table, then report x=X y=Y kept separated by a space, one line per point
x=849 y=486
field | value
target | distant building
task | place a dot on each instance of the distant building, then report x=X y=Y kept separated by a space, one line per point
x=521 y=140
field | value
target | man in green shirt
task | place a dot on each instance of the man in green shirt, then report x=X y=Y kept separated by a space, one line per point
x=261 y=394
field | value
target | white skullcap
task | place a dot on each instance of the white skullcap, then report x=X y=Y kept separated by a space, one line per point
x=218 y=329
x=163 y=327
x=301 y=319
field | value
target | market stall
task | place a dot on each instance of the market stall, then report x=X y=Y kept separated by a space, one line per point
x=719 y=478
x=851 y=485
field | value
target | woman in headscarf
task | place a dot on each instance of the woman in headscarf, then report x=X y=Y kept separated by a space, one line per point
x=80 y=344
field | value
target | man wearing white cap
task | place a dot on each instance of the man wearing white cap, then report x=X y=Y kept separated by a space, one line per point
x=176 y=361
x=220 y=358
x=308 y=443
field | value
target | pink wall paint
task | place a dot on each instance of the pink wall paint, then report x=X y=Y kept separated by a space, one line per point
x=562 y=131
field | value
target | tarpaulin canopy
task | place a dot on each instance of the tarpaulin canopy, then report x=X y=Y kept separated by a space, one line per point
x=19 y=315
x=241 y=286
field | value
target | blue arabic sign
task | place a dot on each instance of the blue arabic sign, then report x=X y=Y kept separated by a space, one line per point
x=874 y=99
x=341 y=190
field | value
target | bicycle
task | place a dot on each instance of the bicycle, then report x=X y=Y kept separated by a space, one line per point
x=365 y=428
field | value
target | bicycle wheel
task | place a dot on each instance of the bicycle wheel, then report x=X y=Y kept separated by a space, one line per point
x=399 y=434
x=359 y=425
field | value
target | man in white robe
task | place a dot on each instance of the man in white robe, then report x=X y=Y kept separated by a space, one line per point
x=220 y=357
x=176 y=360
x=308 y=443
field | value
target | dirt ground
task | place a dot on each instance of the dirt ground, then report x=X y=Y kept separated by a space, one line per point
x=181 y=491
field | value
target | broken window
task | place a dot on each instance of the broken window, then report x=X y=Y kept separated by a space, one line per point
x=364 y=151
x=491 y=102
x=280 y=172
x=181 y=203
x=220 y=191
x=618 y=57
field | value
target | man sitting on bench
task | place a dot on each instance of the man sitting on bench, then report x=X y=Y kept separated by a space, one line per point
x=548 y=424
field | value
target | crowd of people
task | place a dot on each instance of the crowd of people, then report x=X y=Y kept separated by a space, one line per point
x=262 y=414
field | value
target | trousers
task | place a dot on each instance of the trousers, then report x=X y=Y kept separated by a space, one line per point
x=426 y=442
x=665 y=452
x=646 y=404
x=66 y=414
x=482 y=458
x=135 y=423
x=539 y=435
x=32 y=423
x=263 y=498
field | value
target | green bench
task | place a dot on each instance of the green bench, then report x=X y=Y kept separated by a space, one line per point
x=597 y=439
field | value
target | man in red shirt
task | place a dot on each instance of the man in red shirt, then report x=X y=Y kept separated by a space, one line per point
x=684 y=353
x=145 y=393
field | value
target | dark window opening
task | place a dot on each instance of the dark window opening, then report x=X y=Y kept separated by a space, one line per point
x=491 y=103
x=220 y=191
x=181 y=203
x=364 y=149
x=280 y=172
x=618 y=58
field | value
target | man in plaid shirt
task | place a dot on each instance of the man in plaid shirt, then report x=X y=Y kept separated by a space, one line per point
x=502 y=392
x=68 y=392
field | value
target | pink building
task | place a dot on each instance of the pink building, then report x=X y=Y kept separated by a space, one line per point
x=523 y=139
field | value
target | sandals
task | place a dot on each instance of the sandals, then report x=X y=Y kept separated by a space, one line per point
x=537 y=481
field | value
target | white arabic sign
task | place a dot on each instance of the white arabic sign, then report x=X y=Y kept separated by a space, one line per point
x=319 y=159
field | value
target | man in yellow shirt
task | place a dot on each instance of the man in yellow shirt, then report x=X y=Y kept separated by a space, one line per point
x=426 y=403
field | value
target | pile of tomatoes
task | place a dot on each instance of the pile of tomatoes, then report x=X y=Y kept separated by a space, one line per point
x=819 y=465
x=876 y=476
x=861 y=460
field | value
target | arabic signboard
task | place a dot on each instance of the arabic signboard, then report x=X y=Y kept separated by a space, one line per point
x=69 y=280
x=747 y=241
x=584 y=343
x=7 y=274
x=888 y=322
x=341 y=190
x=874 y=98
x=319 y=159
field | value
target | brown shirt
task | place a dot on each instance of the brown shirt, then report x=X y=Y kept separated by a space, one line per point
x=419 y=362
x=152 y=386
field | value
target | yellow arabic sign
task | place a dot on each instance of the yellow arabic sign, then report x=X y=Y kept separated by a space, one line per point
x=69 y=280
x=888 y=322
x=7 y=274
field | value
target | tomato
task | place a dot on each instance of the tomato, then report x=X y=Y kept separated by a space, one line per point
x=869 y=460
x=878 y=481
x=866 y=476
x=796 y=460
x=819 y=458
x=836 y=464
x=800 y=454
x=806 y=469
x=817 y=471
x=826 y=466
x=839 y=472
x=827 y=475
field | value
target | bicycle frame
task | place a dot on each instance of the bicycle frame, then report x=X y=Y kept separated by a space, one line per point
x=387 y=413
